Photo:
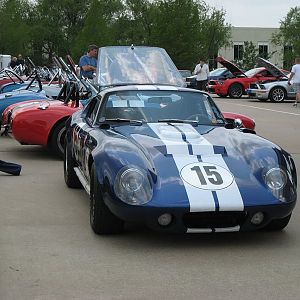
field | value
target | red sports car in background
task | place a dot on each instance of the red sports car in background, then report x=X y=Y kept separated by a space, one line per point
x=236 y=87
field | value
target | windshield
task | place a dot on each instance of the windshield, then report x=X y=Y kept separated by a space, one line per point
x=252 y=72
x=136 y=65
x=217 y=72
x=160 y=106
x=185 y=73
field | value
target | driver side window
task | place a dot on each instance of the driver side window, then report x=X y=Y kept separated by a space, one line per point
x=93 y=110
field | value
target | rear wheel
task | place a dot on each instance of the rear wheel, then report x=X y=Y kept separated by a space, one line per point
x=278 y=224
x=102 y=220
x=236 y=90
x=277 y=94
x=57 y=139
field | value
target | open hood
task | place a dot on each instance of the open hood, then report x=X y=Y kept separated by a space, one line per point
x=235 y=70
x=276 y=72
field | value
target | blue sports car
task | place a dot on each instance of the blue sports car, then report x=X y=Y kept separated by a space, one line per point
x=163 y=155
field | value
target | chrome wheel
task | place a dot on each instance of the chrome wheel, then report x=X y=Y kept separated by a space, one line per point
x=277 y=94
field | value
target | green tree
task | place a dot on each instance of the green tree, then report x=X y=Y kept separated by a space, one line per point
x=14 y=29
x=289 y=36
x=99 y=26
x=250 y=54
x=189 y=30
x=214 y=32
x=54 y=27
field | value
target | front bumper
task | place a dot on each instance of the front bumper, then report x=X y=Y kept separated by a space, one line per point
x=262 y=94
x=184 y=221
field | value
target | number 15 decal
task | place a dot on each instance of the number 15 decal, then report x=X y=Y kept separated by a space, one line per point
x=206 y=176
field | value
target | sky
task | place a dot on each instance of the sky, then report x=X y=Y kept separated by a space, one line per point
x=254 y=13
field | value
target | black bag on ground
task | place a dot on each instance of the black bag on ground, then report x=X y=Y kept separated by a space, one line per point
x=10 y=168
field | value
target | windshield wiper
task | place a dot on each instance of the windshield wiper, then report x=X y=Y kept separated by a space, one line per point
x=192 y=122
x=120 y=121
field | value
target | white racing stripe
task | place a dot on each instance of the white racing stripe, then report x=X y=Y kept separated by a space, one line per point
x=199 y=200
x=229 y=198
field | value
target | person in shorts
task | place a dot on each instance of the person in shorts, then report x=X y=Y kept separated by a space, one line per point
x=295 y=75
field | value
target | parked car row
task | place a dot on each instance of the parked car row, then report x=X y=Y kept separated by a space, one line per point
x=147 y=149
x=266 y=82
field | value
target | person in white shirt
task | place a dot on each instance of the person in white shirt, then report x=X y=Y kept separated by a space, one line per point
x=295 y=75
x=202 y=72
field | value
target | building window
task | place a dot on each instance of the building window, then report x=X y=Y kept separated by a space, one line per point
x=263 y=51
x=238 y=50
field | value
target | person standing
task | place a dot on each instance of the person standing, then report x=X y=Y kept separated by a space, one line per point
x=13 y=62
x=20 y=60
x=202 y=72
x=295 y=75
x=88 y=62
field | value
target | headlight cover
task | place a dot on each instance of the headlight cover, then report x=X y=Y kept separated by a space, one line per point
x=133 y=186
x=276 y=180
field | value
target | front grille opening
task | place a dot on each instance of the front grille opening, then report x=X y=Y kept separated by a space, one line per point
x=214 y=219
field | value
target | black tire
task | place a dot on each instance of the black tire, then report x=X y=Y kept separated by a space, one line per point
x=279 y=224
x=102 y=220
x=70 y=176
x=277 y=94
x=236 y=90
x=222 y=95
x=57 y=139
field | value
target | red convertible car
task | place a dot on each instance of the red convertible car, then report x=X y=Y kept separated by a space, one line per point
x=237 y=86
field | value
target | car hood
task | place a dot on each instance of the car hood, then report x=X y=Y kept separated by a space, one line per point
x=23 y=93
x=235 y=70
x=276 y=72
x=170 y=150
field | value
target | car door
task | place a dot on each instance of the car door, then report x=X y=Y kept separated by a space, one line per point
x=84 y=143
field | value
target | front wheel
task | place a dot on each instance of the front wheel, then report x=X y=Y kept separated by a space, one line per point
x=277 y=94
x=236 y=90
x=102 y=220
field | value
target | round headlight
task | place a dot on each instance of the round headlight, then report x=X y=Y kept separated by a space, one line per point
x=276 y=179
x=133 y=186
x=132 y=180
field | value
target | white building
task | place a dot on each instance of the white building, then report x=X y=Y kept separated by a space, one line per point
x=4 y=61
x=260 y=37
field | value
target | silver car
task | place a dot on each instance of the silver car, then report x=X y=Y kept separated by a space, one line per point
x=275 y=91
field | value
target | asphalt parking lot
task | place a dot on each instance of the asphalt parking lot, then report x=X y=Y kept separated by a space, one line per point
x=48 y=251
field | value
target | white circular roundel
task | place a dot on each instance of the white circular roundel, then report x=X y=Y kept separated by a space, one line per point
x=206 y=176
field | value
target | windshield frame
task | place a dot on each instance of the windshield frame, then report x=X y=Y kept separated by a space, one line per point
x=151 y=106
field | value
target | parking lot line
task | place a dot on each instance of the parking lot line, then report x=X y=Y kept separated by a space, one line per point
x=268 y=109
